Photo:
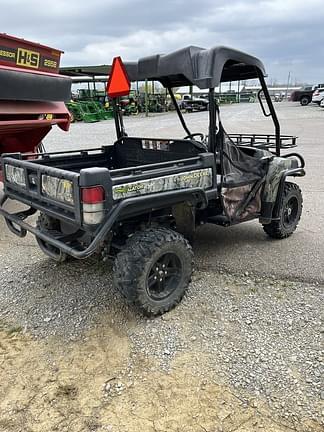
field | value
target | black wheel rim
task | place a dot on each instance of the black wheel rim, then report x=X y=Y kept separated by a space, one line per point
x=164 y=276
x=290 y=212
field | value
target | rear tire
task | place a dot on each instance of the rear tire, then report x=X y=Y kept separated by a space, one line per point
x=154 y=270
x=305 y=100
x=290 y=211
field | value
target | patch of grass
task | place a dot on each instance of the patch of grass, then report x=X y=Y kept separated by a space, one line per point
x=13 y=330
x=10 y=329
x=253 y=289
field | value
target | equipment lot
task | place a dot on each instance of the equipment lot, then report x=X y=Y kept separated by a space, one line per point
x=244 y=346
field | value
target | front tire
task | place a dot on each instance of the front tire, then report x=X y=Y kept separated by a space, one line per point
x=290 y=211
x=154 y=270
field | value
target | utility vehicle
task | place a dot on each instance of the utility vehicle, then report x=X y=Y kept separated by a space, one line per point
x=139 y=200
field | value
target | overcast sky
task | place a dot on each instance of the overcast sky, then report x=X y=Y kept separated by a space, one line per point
x=288 y=35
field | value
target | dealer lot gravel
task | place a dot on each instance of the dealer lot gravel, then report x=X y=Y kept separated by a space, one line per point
x=253 y=330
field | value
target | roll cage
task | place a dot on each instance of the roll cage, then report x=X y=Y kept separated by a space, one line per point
x=205 y=68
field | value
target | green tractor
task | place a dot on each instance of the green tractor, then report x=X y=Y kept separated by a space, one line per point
x=80 y=112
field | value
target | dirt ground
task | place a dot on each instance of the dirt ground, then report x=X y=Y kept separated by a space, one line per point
x=88 y=386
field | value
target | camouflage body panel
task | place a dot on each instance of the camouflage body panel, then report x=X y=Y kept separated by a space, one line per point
x=201 y=178
x=265 y=195
x=276 y=167
x=233 y=199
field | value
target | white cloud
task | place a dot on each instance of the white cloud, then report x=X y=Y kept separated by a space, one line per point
x=286 y=34
x=137 y=44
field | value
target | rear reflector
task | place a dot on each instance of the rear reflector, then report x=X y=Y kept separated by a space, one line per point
x=93 y=204
x=93 y=195
x=93 y=213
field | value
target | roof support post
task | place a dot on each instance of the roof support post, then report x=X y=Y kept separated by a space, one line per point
x=116 y=117
x=176 y=106
x=212 y=121
x=271 y=109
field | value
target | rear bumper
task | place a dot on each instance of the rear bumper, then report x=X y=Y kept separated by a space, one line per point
x=124 y=209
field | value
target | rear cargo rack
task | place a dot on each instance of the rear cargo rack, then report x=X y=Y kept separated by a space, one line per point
x=263 y=140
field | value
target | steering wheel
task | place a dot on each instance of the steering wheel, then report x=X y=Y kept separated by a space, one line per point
x=202 y=136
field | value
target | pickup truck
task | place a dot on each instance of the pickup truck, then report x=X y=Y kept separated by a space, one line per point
x=304 y=95
x=139 y=200
x=191 y=104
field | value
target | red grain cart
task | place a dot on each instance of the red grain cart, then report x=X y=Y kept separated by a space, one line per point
x=32 y=94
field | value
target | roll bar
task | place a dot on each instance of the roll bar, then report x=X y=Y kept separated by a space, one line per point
x=120 y=130
x=271 y=109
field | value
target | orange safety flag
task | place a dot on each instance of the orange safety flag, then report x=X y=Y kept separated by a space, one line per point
x=118 y=82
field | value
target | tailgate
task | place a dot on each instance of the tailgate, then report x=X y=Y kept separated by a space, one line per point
x=25 y=181
x=91 y=206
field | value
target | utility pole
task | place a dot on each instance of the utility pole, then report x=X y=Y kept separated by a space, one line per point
x=287 y=85
x=146 y=98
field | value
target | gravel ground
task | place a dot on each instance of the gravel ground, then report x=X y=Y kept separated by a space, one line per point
x=259 y=336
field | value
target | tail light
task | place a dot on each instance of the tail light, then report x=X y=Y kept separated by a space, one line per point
x=93 y=200
x=316 y=93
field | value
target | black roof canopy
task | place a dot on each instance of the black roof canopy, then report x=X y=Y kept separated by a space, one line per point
x=205 y=68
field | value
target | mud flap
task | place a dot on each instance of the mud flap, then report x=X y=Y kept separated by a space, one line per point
x=184 y=214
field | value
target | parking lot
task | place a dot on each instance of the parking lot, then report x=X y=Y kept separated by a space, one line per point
x=244 y=345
